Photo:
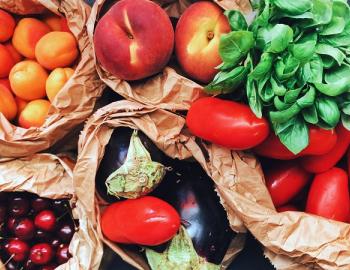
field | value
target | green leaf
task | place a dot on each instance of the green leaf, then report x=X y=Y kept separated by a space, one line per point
x=305 y=48
x=253 y=98
x=339 y=40
x=274 y=39
x=277 y=88
x=227 y=81
x=286 y=68
x=236 y=20
x=293 y=134
x=262 y=20
x=294 y=7
x=280 y=105
x=336 y=26
x=328 y=111
x=310 y=115
x=292 y=95
x=335 y=53
x=234 y=46
x=307 y=99
x=263 y=67
x=338 y=82
x=322 y=13
x=328 y=62
x=265 y=90
x=345 y=119
x=316 y=69
x=285 y=115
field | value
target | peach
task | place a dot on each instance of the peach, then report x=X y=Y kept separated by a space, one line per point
x=28 y=79
x=134 y=39
x=8 y=105
x=34 y=114
x=6 y=83
x=21 y=104
x=27 y=33
x=6 y=62
x=53 y=21
x=56 y=49
x=64 y=25
x=7 y=26
x=16 y=56
x=56 y=80
x=197 y=38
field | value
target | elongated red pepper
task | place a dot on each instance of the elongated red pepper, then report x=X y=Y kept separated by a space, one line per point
x=321 y=141
x=322 y=163
x=287 y=207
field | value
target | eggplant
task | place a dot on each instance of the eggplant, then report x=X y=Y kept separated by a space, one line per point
x=191 y=192
x=115 y=157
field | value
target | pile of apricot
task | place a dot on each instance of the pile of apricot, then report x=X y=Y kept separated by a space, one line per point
x=37 y=55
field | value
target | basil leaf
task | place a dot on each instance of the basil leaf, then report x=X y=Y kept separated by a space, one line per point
x=274 y=39
x=266 y=92
x=342 y=39
x=294 y=7
x=236 y=20
x=310 y=115
x=263 y=19
x=316 y=68
x=328 y=111
x=345 y=107
x=338 y=81
x=345 y=119
x=277 y=88
x=280 y=105
x=305 y=48
x=322 y=13
x=335 y=53
x=285 y=115
x=307 y=99
x=253 y=98
x=328 y=62
x=292 y=95
x=227 y=81
x=234 y=46
x=293 y=134
x=286 y=68
x=336 y=26
x=263 y=67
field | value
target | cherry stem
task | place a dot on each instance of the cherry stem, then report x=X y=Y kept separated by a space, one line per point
x=9 y=259
x=71 y=216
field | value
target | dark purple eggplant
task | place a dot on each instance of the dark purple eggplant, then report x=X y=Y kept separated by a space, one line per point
x=115 y=156
x=190 y=190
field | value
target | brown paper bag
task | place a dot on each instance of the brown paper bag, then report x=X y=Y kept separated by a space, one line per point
x=167 y=131
x=74 y=103
x=167 y=90
x=50 y=177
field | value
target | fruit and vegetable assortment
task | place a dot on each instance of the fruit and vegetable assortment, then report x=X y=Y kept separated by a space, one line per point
x=38 y=54
x=277 y=87
x=35 y=231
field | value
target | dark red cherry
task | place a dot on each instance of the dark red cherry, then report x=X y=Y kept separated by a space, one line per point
x=62 y=254
x=41 y=254
x=19 y=249
x=60 y=206
x=24 y=229
x=45 y=220
x=11 y=222
x=42 y=236
x=65 y=232
x=3 y=212
x=55 y=243
x=18 y=206
x=11 y=265
x=40 y=204
x=49 y=267
x=29 y=265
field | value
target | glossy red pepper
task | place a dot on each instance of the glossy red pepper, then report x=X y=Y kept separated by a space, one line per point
x=287 y=207
x=226 y=123
x=321 y=141
x=145 y=221
x=329 y=195
x=322 y=163
x=285 y=180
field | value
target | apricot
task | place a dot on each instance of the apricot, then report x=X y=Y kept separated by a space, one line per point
x=7 y=26
x=34 y=114
x=134 y=39
x=27 y=33
x=56 y=80
x=8 y=105
x=53 y=21
x=28 y=79
x=6 y=83
x=16 y=56
x=21 y=104
x=64 y=25
x=56 y=49
x=6 y=62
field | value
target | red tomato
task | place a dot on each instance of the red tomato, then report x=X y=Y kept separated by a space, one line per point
x=226 y=123
x=287 y=207
x=321 y=141
x=322 y=163
x=145 y=221
x=329 y=195
x=285 y=180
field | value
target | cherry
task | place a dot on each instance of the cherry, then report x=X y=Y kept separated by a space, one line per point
x=3 y=213
x=41 y=254
x=24 y=229
x=65 y=232
x=49 y=267
x=55 y=243
x=62 y=254
x=39 y=204
x=11 y=266
x=11 y=222
x=45 y=220
x=19 y=206
x=18 y=249
x=42 y=236
x=29 y=265
x=60 y=206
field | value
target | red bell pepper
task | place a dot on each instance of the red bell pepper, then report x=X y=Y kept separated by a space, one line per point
x=287 y=207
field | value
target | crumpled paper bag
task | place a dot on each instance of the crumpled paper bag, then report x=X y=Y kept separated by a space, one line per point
x=169 y=89
x=74 y=103
x=50 y=177
x=167 y=130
